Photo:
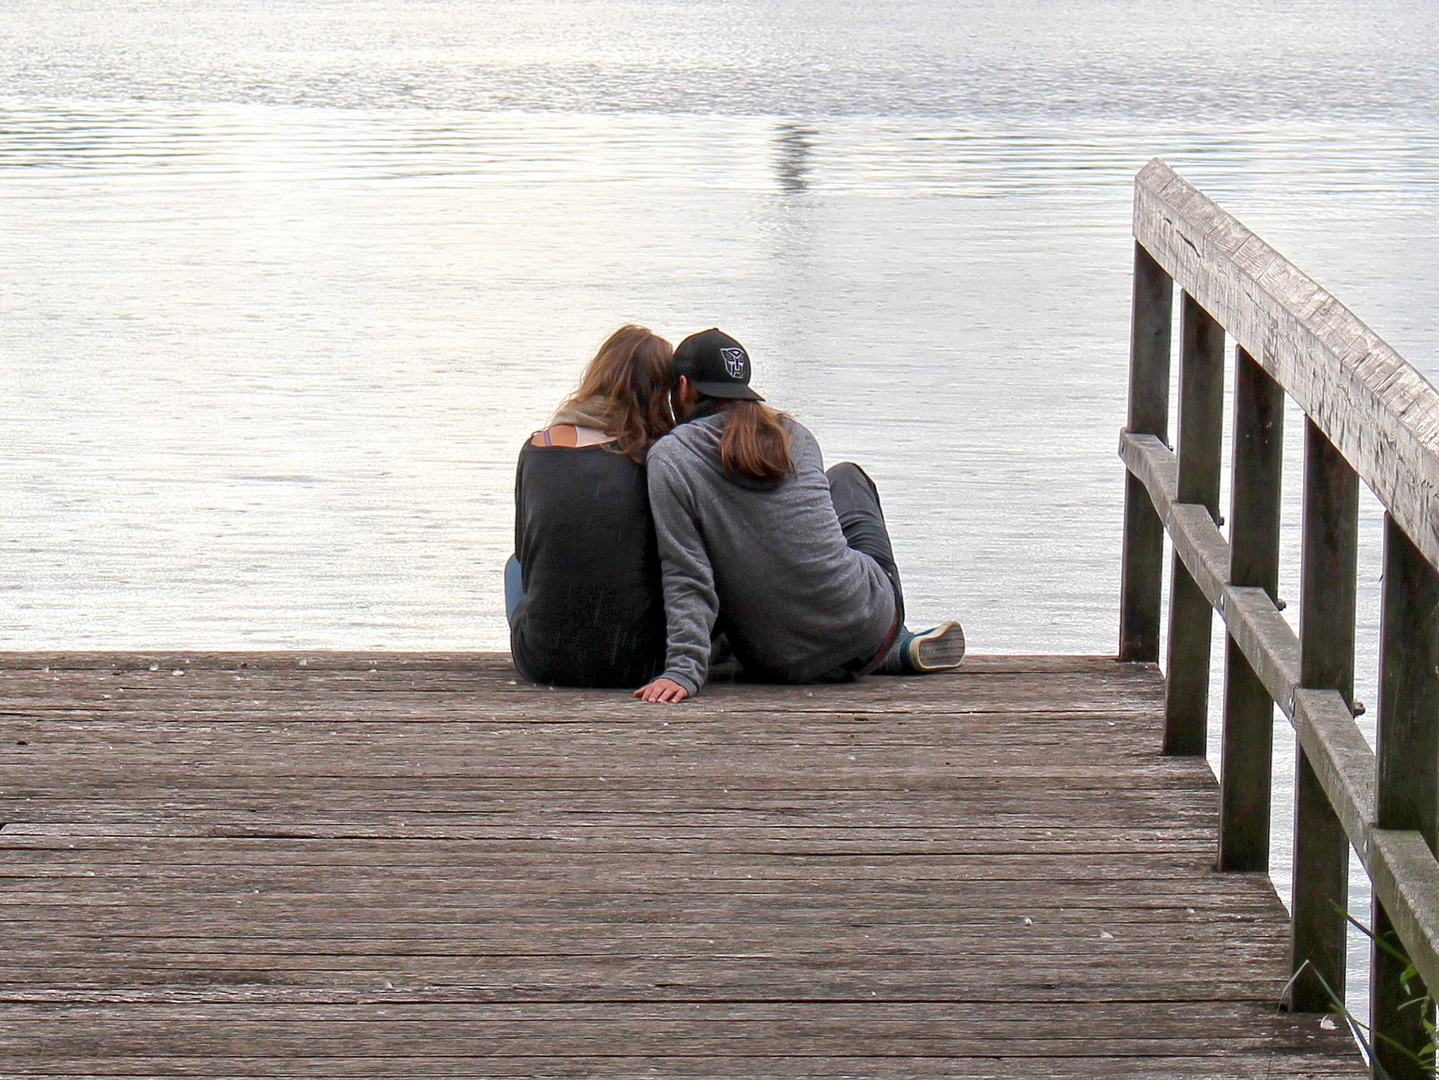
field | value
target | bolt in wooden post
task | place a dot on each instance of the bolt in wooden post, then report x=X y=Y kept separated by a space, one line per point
x=1248 y=752
x=1407 y=769
x=1201 y=419
x=1326 y=650
x=1141 y=576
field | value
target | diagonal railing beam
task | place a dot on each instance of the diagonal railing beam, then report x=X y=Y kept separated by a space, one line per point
x=1404 y=872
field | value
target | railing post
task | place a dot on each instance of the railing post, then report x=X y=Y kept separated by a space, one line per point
x=1141 y=576
x=1326 y=650
x=1247 y=756
x=1407 y=751
x=1201 y=419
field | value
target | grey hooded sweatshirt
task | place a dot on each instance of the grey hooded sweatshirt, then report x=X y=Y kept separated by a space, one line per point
x=768 y=560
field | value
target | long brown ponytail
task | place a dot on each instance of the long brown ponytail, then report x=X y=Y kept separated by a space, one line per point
x=755 y=443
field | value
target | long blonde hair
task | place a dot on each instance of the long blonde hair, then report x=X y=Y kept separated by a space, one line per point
x=625 y=391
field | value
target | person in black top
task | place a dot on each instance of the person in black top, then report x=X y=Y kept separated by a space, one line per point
x=583 y=591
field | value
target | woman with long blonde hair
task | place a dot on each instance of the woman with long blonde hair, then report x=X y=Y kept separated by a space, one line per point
x=583 y=591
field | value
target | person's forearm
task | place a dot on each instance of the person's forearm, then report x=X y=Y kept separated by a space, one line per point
x=691 y=604
x=690 y=613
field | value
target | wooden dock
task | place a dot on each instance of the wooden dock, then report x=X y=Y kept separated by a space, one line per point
x=264 y=865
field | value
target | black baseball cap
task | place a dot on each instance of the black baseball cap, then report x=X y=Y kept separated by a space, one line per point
x=716 y=365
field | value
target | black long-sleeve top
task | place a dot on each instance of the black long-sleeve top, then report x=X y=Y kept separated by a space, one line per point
x=592 y=613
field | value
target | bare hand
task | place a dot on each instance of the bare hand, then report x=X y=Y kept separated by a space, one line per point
x=662 y=690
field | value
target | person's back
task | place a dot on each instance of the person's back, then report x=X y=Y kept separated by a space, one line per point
x=794 y=564
x=796 y=600
x=592 y=613
x=583 y=592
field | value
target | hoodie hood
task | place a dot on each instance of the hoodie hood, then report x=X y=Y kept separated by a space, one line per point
x=701 y=435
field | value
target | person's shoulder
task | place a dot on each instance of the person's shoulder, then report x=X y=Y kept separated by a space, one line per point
x=665 y=453
x=685 y=450
x=796 y=428
x=800 y=435
x=665 y=447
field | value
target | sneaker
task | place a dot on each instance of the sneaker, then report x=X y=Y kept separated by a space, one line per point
x=940 y=648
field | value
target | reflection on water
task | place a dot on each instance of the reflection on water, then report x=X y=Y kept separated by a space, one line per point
x=793 y=147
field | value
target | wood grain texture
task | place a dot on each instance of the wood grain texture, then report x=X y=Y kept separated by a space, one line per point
x=1201 y=413
x=1142 y=554
x=1245 y=775
x=1407 y=770
x=1371 y=403
x=419 y=866
x=1328 y=587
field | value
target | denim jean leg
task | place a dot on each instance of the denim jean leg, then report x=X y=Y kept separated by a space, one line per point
x=514 y=588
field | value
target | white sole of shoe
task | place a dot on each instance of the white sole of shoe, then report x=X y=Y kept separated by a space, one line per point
x=940 y=649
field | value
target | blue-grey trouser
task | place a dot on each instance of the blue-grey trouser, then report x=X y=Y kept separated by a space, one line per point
x=856 y=503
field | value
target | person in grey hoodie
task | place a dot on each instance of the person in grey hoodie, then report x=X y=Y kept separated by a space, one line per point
x=792 y=563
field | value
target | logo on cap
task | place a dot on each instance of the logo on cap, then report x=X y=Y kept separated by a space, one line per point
x=734 y=361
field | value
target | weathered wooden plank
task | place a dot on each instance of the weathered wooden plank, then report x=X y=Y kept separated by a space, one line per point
x=381 y=955
x=978 y=840
x=1142 y=556
x=471 y=708
x=654 y=1038
x=680 y=980
x=1108 y=1018
x=495 y=670
x=750 y=883
x=1367 y=400
x=598 y=842
x=1341 y=759
x=1246 y=750
x=1329 y=562
x=1247 y=757
x=1079 y=866
x=1328 y=585
x=1201 y=413
x=185 y=916
x=757 y=1066
x=1201 y=405
x=240 y=923
x=1407 y=769
x=1407 y=732
x=1258 y=459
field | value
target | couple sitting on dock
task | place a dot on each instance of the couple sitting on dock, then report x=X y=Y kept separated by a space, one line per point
x=667 y=516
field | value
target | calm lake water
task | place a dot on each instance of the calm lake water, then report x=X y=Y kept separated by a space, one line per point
x=283 y=287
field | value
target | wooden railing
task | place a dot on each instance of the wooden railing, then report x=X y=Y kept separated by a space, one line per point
x=1370 y=416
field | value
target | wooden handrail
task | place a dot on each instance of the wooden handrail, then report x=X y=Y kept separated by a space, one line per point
x=1371 y=403
x=1371 y=416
